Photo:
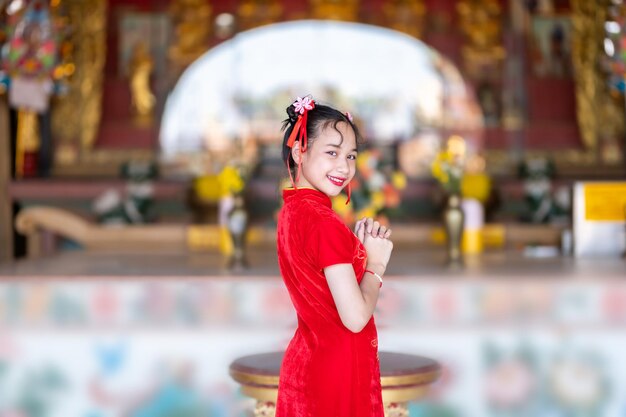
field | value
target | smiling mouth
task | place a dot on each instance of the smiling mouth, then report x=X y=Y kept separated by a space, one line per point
x=336 y=180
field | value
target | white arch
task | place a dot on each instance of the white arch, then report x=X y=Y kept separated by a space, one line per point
x=388 y=80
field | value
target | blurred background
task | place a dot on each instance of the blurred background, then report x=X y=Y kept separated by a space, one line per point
x=140 y=177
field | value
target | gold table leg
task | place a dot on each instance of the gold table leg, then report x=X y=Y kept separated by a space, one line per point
x=396 y=410
x=265 y=409
x=268 y=409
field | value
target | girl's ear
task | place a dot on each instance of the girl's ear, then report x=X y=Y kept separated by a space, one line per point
x=295 y=153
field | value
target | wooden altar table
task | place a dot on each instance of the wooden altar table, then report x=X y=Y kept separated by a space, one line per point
x=403 y=378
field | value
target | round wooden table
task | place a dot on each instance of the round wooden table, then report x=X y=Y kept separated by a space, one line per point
x=403 y=378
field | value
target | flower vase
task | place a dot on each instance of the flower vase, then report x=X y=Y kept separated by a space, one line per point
x=453 y=219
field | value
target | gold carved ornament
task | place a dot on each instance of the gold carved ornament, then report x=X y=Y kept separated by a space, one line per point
x=76 y=115
x=253 y=13
x=585 y=53
x=192 y=30
x=140 y=69
x=481 y=24
x=599 y=116
x=405 y=16
x=346 y=10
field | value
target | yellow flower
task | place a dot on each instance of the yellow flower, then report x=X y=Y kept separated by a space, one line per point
x=364 y=164
x=476 y=186
x=378 y=199
x=208 y=187
x=366 y=212
x=448 y=170
x=340 y=206
x=398 y=179
x=439 y=170
x=362 y=160
x=445 y=157
x=230 y=180
x=345 y=211
x=436 y=170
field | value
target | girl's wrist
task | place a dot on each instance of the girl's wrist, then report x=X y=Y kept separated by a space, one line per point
x=376 y=275
x=377 y=268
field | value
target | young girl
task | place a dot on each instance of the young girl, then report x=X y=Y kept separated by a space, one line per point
x=333 y=275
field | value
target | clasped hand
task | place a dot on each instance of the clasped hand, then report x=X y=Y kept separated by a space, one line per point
x=375 y=239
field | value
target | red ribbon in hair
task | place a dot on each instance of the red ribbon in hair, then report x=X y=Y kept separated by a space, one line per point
x=302 y=106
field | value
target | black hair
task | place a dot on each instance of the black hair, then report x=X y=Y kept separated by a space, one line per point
x=318 y=118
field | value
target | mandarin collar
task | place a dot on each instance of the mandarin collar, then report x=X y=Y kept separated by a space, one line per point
x=307 y=193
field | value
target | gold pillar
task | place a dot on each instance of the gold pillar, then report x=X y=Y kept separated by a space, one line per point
x=599 y=115
x=6 y=212
x=585 y=53
x=27 y=140
x=76 y=115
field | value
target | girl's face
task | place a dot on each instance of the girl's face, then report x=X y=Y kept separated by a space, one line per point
x=329 y=163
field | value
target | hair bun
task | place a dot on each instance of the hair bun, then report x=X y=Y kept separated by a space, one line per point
x=291 y=112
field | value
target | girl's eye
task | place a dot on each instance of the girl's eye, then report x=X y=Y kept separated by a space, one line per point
x=353 y=157
x=332 y=153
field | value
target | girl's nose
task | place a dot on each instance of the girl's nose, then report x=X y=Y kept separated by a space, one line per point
x=343 y=166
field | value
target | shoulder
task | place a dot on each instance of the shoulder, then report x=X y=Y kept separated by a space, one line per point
x=314 y=219
x=311 y=211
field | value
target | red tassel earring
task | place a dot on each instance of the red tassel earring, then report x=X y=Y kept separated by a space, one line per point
x=349 y=192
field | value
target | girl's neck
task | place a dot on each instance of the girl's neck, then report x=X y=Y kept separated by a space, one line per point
x=303 y=187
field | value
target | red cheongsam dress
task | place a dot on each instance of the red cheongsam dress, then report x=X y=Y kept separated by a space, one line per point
x=328 y=371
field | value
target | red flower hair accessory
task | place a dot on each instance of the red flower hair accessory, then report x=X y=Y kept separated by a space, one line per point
x=302 y=105
x=349 y=116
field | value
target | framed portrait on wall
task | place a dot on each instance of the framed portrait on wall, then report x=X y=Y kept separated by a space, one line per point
x=550 y=46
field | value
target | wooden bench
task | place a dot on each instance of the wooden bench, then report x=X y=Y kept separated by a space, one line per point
x=40 y=222
x=37 y=222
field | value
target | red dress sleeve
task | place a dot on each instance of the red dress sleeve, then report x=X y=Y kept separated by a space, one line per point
x=331 y=243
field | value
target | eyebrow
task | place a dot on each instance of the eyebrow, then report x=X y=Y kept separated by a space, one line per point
x=339 y=146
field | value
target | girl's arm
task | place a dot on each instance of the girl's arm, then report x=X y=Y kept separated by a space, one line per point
x=355 y=303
